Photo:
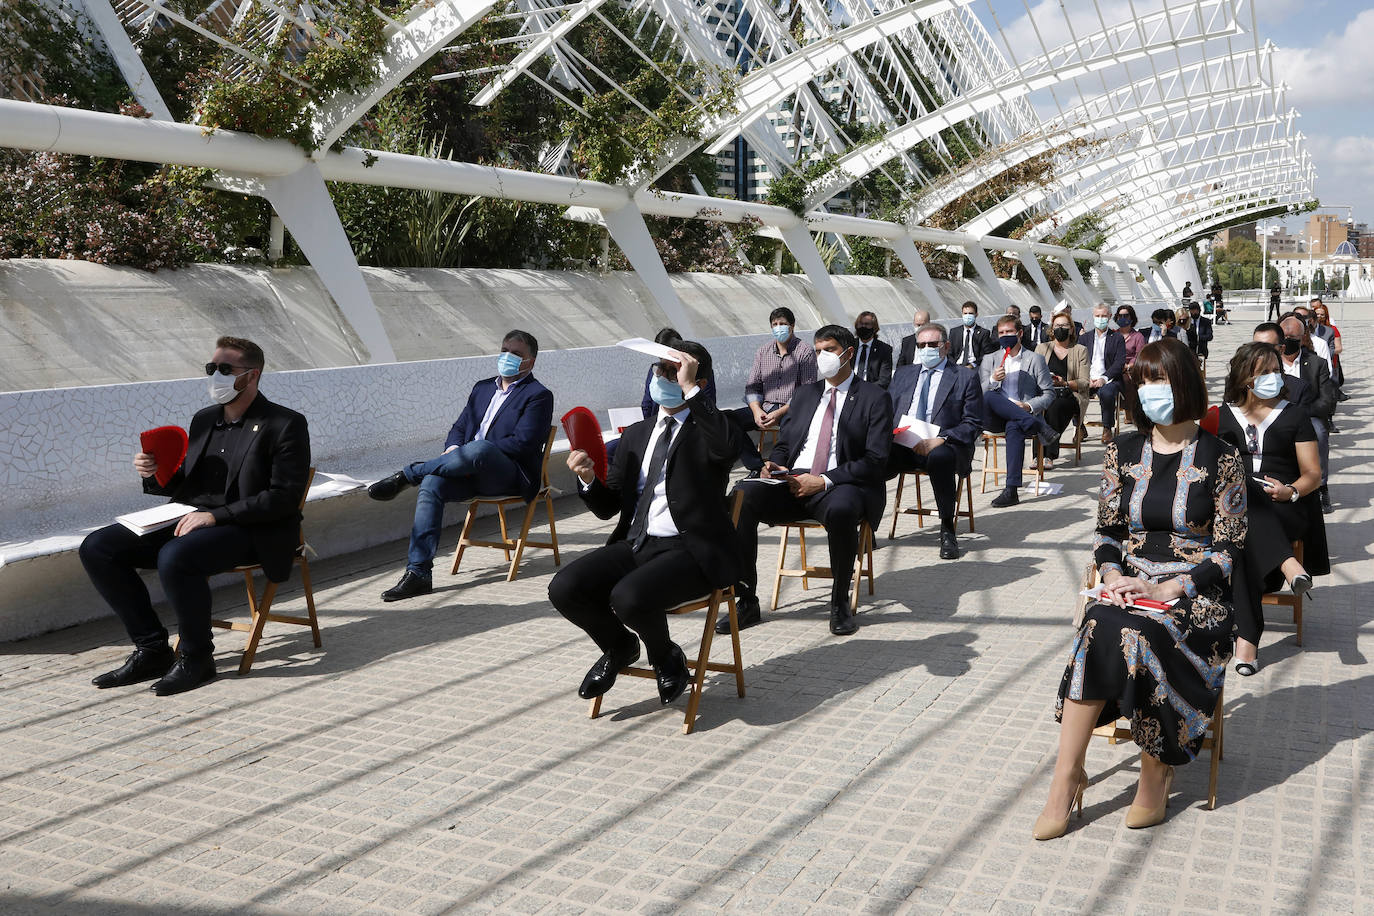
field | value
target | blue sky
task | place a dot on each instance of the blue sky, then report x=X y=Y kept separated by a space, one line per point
x=1325 y=55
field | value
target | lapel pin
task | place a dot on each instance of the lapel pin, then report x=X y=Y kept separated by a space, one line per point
x=255 y=427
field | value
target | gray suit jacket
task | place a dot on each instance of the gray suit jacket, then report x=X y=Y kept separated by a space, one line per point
x=1037 y=387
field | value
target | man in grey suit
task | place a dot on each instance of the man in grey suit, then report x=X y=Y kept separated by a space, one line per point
x=1016 y=389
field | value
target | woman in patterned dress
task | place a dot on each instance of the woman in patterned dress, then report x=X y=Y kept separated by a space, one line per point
x=1171 y=520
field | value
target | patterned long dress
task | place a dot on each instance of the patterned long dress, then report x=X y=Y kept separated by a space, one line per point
x=1162 y=517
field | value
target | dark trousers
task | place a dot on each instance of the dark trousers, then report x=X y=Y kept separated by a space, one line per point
x=616 y=589
x=113 y=555
x=1062 y=411
x=749 y=454
x=1268 y=545
x=840 y=509
x=1273 y=312
x=1020 y=425
x=1106 y=397
x=941 y=465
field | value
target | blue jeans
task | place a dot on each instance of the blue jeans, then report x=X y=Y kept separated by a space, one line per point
x=1106 y=396
x=1020 y=425
x=475 y=469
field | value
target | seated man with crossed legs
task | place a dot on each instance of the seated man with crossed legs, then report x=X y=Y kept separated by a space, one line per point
x=832 y=453
x=674 y=541
x=495 y=448
x=1017 y=387
x=948 y=396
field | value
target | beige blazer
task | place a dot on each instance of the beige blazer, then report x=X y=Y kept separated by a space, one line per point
x=1078 y=370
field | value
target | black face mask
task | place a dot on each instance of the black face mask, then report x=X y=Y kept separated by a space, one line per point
x=865 y=333
x=1061 y=334
x=1291 y=346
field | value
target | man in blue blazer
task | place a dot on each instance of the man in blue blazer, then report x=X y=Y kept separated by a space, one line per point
x=832 y=453
x=1017 y=388
x=496 y=448
x=949 y=396
x=1106 y=364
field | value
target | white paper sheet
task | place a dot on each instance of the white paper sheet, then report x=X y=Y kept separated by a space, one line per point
x=646 y=346
x=154 y=519
x=910 y=430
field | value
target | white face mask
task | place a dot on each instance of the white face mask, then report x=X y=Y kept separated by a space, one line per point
x=222 y=389
x=828 y=364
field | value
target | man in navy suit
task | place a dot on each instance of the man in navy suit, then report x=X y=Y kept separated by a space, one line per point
x=674 y=540
x=496 y=448
x=1106 y=362
x=1017 y=388
x=948 y=396
x=832 y=453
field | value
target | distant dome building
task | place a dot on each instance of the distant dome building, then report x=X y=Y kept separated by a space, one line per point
x=1346 y=250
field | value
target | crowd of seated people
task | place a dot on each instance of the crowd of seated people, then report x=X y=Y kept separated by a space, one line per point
x=1203 y=520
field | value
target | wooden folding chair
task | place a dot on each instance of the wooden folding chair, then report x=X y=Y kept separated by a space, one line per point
x=771 y=435
x=711 y=605
x=1213 y=741
x=507 y=543
x=863 y=563
x=963 y=493
x=992 y=464
x=261 y=607
x=1274 y=599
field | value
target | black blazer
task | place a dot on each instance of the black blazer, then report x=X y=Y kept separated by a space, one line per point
x=983 y=344
x=1114 y=362
x=1320 y=398
x=862 y=441
x=906 y=355
x=697 y=471
x=956 y=406
x=265 y=482
x=879 y=369
x=1032 y=336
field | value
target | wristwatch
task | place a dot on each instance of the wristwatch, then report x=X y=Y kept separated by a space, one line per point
x=1294 y=498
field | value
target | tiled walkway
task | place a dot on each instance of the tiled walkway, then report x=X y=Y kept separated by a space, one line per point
x=434 y=757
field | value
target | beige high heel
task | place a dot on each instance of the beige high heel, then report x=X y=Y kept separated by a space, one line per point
x=1139 y=816
x=1047 y=828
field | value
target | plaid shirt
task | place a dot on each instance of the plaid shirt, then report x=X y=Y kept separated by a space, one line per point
x=773 y=378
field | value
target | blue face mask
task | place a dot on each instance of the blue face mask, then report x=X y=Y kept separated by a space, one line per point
x=1123 y=321
x=665 y=393
x=1268 y=385
x=1100 y=322
x=508 y=365
x=930 y=356
x=969 y=319
x=782 y=333
x=1157 y=400
x=1007 y=341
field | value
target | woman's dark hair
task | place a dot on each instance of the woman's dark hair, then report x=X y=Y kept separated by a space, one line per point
x=782 y=311
x=1073 y=328
x=1171 y=359
x=666 y=336
x=1245 y=365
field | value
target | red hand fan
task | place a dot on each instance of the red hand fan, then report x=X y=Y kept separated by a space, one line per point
x=1211 y=420
x=584 y=432
x=168 y=445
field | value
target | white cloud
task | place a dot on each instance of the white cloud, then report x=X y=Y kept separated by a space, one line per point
x=1338 y=71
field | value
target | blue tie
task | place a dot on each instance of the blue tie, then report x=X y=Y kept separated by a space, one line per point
x=923 y=396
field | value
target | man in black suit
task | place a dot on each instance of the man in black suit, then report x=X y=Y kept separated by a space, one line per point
x=245 y=473
x=950 y=397
x=1036 y=331
x=1201 y=329
x=1106 y=363
x=970 y=343
x=674 y=540
x=832 y=454
x=873 y=362
x=1299 y=360
x=907 y=355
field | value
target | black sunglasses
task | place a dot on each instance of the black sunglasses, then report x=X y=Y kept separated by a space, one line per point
x=223 y=368
x=922 y=344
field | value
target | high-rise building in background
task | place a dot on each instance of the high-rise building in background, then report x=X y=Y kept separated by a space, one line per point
x=1327 y=231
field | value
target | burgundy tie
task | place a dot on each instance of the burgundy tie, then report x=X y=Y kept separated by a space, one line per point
x=821 y=463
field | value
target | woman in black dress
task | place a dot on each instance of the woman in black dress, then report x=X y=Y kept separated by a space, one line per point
x=1277 y=446
x=1068 y=362
x=1170 y=521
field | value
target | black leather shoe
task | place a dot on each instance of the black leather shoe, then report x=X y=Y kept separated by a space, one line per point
x=949 y=545
x=410 y=586
x=142 y=665
x=672 y=675
x=186 y=674
x=388 y=487
x=1008 y=497
x=747 y=611
x=1325 y=499
x=601 y=676
x=842 y=622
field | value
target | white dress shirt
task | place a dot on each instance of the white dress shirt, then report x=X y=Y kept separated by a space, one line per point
x=1098 y=369
x=1011 y=385
x=814 y=432
x=1322 y=349
x=966 y=355
x=498 y=400
x=660 y=522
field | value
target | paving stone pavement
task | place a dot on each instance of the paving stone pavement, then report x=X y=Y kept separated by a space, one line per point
x=433 y=757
